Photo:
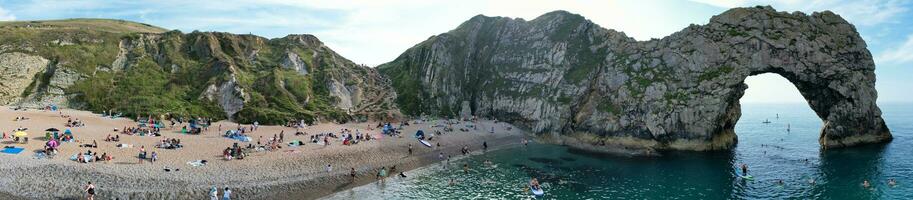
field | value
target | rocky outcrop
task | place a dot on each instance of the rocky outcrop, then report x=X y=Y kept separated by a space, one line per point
x=229 y=95
x=576 y=83
x=293 y=62
x=19 y=73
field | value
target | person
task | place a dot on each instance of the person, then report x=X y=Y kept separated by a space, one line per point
x=484 y=146
x=90 y=191
x=534 y=183
x=892 y=182
x=466 y=168
x=410 y=149
x=352 y=174
x=402 y=175
x=155 y=157
x=226 y=194
x=744 y=170
x=452 y=182
x=865 y=184
x=382 y=174
x=214 y=193
x=329 y=168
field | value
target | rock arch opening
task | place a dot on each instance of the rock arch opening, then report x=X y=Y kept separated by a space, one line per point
x=846 y=119
x=772 y=107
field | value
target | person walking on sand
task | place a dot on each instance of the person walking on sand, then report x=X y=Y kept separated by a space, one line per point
x=410 y=149
x=214 y=193
x=226 y=194
x=352 y=174
x=90 y=191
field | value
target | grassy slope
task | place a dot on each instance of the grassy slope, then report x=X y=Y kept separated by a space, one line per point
x=149 y=86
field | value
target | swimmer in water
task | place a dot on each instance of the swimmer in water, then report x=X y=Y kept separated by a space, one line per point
x=466 y=168
x=892 y=182
x=865 y=184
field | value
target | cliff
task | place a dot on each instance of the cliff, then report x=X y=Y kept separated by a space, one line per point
x=142 y=70
x=574 y=82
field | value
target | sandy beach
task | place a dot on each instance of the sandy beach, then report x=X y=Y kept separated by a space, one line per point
x=287 y=173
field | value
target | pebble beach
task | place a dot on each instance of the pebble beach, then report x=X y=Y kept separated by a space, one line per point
x=289 y=172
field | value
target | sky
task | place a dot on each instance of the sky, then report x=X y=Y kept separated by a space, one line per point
x=374 y=32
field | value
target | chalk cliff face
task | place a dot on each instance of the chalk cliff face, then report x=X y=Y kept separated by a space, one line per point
x=576 y=83
x=141 y=70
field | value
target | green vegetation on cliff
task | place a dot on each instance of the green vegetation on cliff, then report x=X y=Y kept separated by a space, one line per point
x=142 y=70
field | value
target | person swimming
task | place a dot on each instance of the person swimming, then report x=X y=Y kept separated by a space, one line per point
x=865 y=184
x=466 y=168
x=534 y=183
x=892 y=182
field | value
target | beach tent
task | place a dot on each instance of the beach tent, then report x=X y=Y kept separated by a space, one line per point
x=52 y=129
x=419 y=134
x=68 y=132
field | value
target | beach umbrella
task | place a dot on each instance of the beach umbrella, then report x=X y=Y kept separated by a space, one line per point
x=52 y=129
x=20 y=134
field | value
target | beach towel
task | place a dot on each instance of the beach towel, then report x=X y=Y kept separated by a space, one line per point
x=14 y=150
x=197 y=163
x=41 y=155
x=241 y=138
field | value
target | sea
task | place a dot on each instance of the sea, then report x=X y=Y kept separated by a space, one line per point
x=785 y=164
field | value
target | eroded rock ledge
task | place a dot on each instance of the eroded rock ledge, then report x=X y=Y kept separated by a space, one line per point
x=576 y=83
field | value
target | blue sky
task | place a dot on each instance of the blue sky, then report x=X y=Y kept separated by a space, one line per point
x=374 y=32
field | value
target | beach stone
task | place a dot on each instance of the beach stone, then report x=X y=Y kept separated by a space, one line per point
x=576 y=83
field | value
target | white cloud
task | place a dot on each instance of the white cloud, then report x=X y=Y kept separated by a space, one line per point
x=902 y=53
x=374 y=32
x=6 y=16
x=867 y=12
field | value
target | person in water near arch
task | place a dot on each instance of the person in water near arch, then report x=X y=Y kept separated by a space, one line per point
x=744 y=169
x=865 y=184
x=892 y=182
x=534 y=183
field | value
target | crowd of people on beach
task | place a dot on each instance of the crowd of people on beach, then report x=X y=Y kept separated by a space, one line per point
x=154 y=127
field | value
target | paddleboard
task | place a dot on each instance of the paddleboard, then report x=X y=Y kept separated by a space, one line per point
x=426 y=143
x=747 y=177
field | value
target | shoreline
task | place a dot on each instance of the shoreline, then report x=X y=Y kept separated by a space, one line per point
x=341 y=182
x=292 y=172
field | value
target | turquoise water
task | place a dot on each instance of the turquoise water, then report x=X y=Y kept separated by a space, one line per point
x=769 y=150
